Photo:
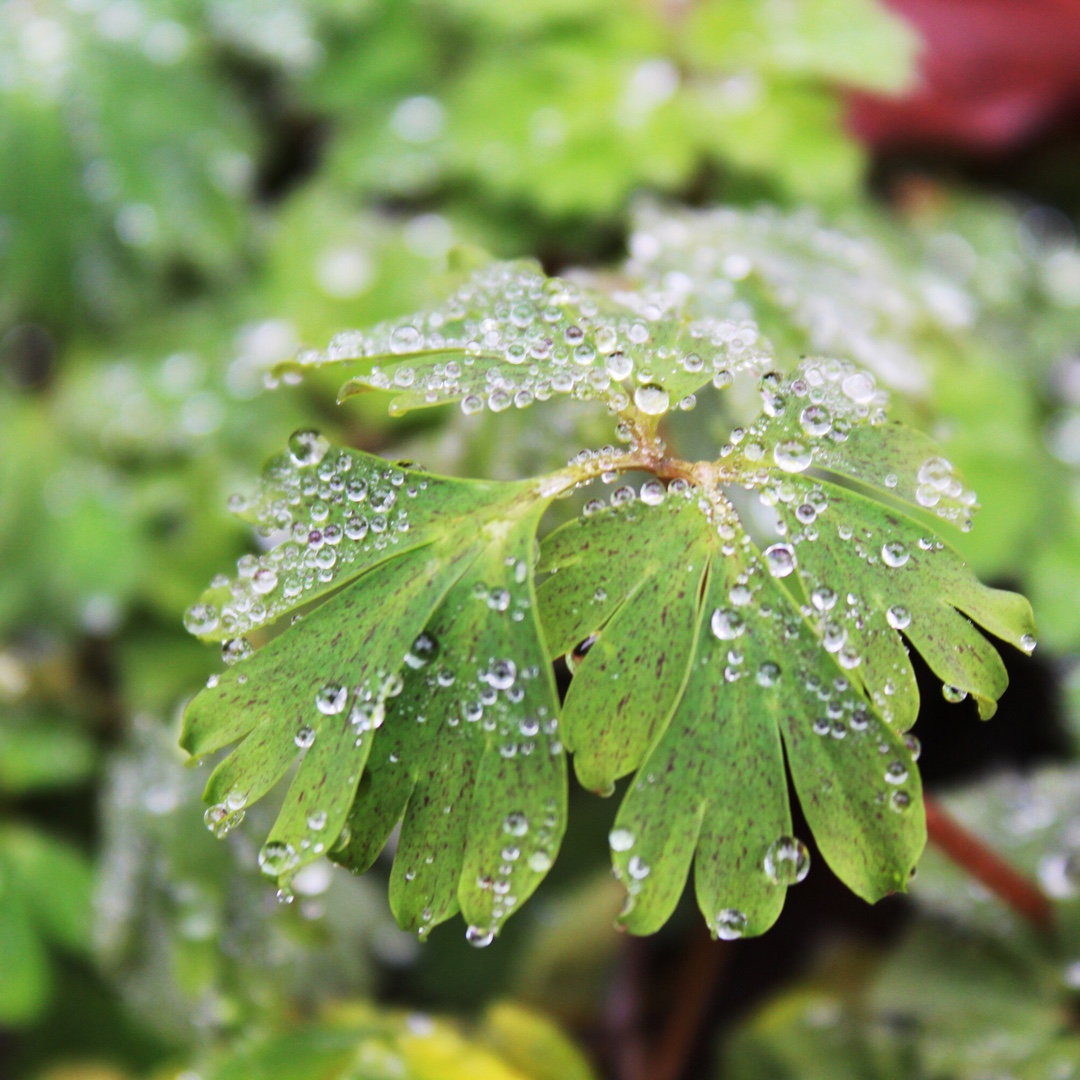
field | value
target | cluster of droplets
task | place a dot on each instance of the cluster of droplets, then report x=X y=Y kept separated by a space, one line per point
x=806 y=418
x=630 y=868
x=525 y=845
x=840 y=712
x=331 y=510
x=841 y=291
x=511 y=336
x=493 y=703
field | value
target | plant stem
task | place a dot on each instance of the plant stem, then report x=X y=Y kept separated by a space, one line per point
x=987 y=867
x=696 y=978
x=623 y=1013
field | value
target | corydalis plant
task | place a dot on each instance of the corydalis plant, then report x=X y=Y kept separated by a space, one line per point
x=420 y=689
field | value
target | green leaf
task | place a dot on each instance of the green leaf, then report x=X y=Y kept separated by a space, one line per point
x=24 y=989
x=56 y=882
x=44 y=897
x=702 y=660
x=511 y=336
x=425 y=675
x=36 y=754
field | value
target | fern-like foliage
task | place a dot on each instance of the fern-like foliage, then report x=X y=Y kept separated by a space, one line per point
x=713 y=654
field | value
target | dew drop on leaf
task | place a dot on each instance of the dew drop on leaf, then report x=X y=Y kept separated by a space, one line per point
x=201 y=619
x=894 y=554
x=652 y=400
x=898 y=617
x=787 y=862
x=330 y=698
x=236 y=649
x=793 y=456
x=953 y=694
x=621 y=839
x=424 y=649
x=516 y=823
x=478 y=937
x=780 y=559
x=727 y=624
x=730 y=924
x=307 y=447
x=277 y=858
x=896 y=772
x=652 y=493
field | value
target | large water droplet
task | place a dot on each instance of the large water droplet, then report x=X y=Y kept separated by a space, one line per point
x=236 y=649
x=787 y=862
x=330 y=698
x=478 y=937
x=424 y=649
x=307 y=447
x=899 y=618
x=201 y=619
x=894 y=554
x=727 y=623
x=780 y=559
x=652 y=400
x=793 y=456
x=730 y=924
x=277 y=858
x=621 y=839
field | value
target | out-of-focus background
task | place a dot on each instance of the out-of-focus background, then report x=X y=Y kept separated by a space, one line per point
x=193 y=190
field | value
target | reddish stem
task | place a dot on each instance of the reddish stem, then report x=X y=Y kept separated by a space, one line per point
x=698 y=974
x=987 y=867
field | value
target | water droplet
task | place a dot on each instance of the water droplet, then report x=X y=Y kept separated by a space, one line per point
x=1028 y=643
x=307 y=447
x=768 y=674
x=619 y=365
x=652 y=493
x=277 y=858
x=501 y=674
x=305 y=738
x=478 y=937
x=621 y=839
x=652 y=400
x=540 y=862
x=424 y=649
x=331 y=698
x=792 y=456
x=780 y=559
x=815 y=420
x=264 y=580
x=727 y=624
x=953 y=694
x=516 y=823
x=859 y=386
x=201 y=619
x=471 y=404
x=637 y=868
x=730 y=924
x=787 y=862
x=899 y=618
x=894 y=554
x=236 y=649
x=896 y=772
